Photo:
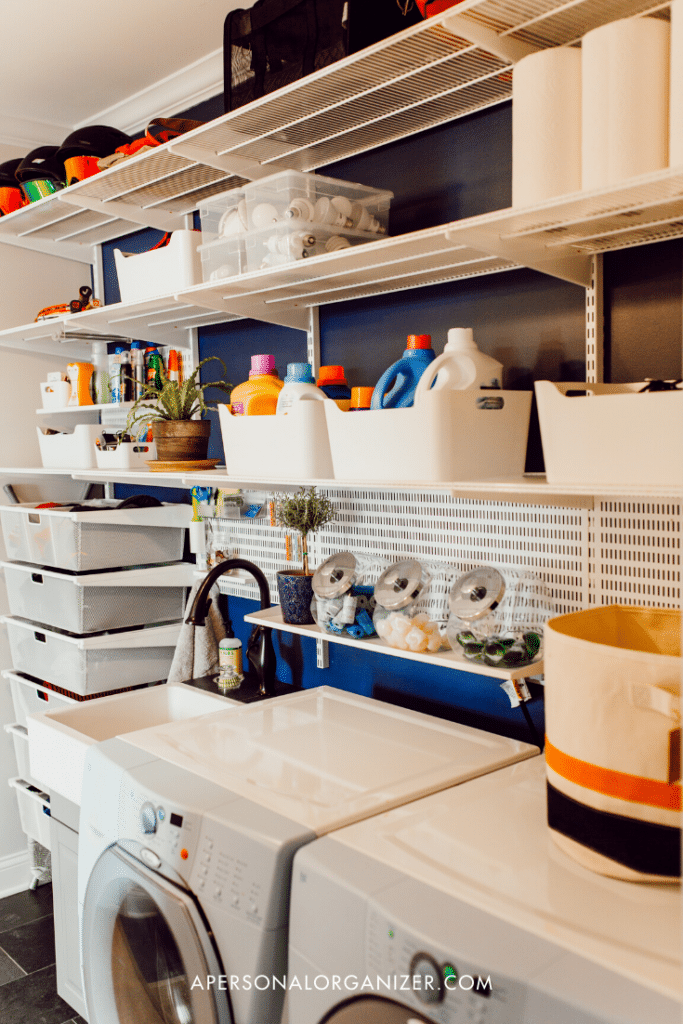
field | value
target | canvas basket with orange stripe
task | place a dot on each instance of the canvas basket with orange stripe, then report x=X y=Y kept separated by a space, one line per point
x=613 y=757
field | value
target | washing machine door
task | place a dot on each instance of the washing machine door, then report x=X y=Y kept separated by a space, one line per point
x=145 y=943
x=372 y=1010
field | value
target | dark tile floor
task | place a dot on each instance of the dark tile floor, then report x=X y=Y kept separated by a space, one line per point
x=28 y=987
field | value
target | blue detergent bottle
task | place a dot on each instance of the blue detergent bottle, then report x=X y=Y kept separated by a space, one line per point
x=396 y=387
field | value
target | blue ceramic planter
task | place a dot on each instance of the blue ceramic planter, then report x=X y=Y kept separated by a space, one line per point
x=296 y=594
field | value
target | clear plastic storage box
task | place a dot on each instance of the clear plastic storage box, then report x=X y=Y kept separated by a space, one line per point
x=92 y=664
x=224 y=222
x=105 y=538
x=95 y=602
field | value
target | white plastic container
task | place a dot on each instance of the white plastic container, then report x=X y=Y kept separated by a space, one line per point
x=299 y=387
x=103 y=539
x=88 y=604
x=449 y=436
x=278 y=447
x=55 y=394
x=610 y=434
x=134 y=455
x=34 y=811
x=19 y=734
x=460 y=366
x=159 y=271
x=93 y=664
x=72 y=450
x=30 y=696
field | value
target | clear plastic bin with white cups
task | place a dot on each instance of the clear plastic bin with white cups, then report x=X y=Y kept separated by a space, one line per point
x=497 y=616
x=293 y=215
x=224 y=224
x=397 y=619
x=343 y=601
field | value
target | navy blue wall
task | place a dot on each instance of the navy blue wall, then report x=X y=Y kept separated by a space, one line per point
x=533 y=324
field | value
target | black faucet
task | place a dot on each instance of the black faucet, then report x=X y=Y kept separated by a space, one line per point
x=260 y=651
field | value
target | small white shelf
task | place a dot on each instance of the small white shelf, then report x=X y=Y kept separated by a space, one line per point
x=84 y=413
x=444 y=659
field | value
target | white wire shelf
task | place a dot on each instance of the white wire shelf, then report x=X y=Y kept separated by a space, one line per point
x=442 y=659
x=429 y=74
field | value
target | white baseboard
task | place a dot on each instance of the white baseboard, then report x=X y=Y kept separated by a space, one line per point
x=15 y=874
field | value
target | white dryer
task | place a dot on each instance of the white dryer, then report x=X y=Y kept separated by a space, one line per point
x=188 y=831
x=460 y=909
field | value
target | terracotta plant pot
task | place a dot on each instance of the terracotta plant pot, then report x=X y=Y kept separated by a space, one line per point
x=181 y=440
x=296 y=593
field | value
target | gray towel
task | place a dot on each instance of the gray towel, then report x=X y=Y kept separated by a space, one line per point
x=196 y=653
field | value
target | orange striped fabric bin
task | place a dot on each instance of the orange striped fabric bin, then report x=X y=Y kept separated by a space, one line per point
x=613 y=757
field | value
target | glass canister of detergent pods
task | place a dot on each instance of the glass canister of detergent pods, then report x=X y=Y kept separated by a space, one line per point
x=230 y=673
x=497 y=619
x=342 y=603
x=332 y=381
x=397 y=620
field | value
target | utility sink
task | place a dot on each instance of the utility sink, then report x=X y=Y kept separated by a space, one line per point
x=58 y=741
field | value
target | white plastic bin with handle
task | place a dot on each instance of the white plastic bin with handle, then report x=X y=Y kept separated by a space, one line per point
x=610 y=434
x=73 y=449
x=34 y=811
x=294 y=446
x=160 y=271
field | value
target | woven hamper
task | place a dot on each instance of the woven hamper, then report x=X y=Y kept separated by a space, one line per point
x=612 y=699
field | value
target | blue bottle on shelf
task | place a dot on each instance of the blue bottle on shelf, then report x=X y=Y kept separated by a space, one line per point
x=396 y=387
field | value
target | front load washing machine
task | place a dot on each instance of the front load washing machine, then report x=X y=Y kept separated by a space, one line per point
x=460 y=909
x=188 y=831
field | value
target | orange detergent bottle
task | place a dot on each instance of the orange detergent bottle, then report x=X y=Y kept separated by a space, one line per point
x=258 y=395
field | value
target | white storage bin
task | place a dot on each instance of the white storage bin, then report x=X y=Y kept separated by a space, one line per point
x=92 y=664
x=55 y=394
x=34 y=811
x=19 y=734
x=278 y=447
x=96 y=602
x=105 y=538
x=449 y=436
x=128 y=455
x=610 y=434
x=69 y=450
x=29 y=696
x=159 y=271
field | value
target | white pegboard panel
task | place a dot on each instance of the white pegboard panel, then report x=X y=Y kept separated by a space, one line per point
x=449 y=535
x=637 y=552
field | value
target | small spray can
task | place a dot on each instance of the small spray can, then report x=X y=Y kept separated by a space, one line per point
x=230 y=673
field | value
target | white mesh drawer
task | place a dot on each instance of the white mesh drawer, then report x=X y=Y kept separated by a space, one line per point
x=28 y=696
x=34 y=811
x=19 y=734
x=103 y=538
x=96 y=602
x=94 y=664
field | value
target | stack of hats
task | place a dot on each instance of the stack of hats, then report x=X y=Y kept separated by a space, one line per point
x=83 y=153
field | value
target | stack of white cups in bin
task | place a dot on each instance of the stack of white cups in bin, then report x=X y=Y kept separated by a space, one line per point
x=590 y=117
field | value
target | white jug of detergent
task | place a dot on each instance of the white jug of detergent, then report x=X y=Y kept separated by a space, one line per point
x=461 y=366
x=299 y=386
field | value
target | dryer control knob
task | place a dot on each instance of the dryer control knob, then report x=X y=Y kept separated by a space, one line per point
x=148 y=819
x=429 y=984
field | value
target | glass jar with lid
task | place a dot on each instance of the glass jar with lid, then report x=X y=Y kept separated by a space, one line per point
x=342 y=603
x=497 y=619
x=397 y=619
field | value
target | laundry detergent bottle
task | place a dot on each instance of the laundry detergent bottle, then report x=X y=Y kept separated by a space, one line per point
x=299 y=387
x=332 y=380
x=460 y=366
x=396 y=387
x=257 y=396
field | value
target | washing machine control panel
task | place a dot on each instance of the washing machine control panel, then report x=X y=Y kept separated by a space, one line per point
x=449 y=989
x=162 y=834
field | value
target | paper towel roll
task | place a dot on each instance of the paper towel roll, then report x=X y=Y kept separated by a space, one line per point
x=625 y=113
x=546 y=125
x=676 y=92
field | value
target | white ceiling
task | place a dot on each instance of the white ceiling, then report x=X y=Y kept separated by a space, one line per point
x=118 y=62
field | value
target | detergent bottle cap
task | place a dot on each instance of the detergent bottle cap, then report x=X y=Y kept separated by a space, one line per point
x=261 y=364
x=137 y=344
x=331 y=375
x=460 y=339
x=419 y=341
x=361 y=398
x=299 y=373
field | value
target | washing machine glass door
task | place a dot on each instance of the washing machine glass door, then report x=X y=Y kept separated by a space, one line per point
x=372 y=1010
x=145 y=950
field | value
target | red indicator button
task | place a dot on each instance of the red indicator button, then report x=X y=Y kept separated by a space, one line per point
x=184 y=854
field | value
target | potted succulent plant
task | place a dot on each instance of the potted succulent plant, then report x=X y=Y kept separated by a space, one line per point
x=304 y=513
x=170 y=407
